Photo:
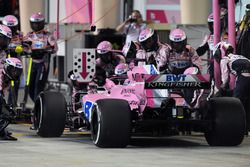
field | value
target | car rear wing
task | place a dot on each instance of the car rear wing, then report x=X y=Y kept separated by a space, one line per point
x=171 y=81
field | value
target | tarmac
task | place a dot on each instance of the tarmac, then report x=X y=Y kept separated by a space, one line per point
x=75 y=149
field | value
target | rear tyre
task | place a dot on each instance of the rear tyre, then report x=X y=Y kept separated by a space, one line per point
x=228 y=122
x=50 y=114
x=111 y=123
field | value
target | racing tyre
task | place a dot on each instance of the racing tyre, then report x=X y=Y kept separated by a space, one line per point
x=228 y=122
x=111 y=123
x=50 y=114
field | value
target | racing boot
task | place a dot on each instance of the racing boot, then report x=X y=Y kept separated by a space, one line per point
x=5 y=135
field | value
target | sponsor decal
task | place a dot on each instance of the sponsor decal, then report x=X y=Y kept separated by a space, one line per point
x=172 y=77
x=87 y=109
x=137 y=103
x=153 y=69
x=127 y=91
x=164 y=85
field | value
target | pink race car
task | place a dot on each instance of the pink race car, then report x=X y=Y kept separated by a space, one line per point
x=144 y=102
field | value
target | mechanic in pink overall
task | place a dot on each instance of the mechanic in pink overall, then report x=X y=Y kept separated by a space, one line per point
x=107 y=59
x=240 y=66
x=17 y=39
x=152 y=50
x=174 y=59
x=182 y=55
x=43 y=45
x=10 y=69
x=17 y=36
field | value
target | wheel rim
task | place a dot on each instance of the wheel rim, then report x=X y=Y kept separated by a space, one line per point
x=96 y=126
x=38 y=114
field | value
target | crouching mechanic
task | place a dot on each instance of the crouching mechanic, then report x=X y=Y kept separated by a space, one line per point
x=10 y=69
x=239 y=66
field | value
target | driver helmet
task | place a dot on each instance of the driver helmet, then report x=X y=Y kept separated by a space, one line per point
x=13 y=68
x=12 y=22
x=178 y=39
x=37 y=21
x=5 y=36
x=121 y=69
x=149 y=40
x=104 y=49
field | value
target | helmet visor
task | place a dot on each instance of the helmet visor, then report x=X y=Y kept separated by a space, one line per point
x=4 y=41
x=13 y=72
x=106 y=57
x=148 y=44
x=178 y=46
x=37 y=26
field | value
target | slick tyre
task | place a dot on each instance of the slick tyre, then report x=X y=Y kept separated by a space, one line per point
x=111 y=123
x=228 y=122
x=50 y=114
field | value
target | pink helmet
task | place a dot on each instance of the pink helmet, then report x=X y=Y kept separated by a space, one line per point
x=177 y=35
x=13 y=68
x=145 y=34
x=10 y=21
x=6 y=31
x=37 y=22
x=191 y=70
x=149 y=40
x=37 y=17
x=178 y=40
x=121 y=69
x=104 y=47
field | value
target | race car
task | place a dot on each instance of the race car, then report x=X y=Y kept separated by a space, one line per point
x=146 y=103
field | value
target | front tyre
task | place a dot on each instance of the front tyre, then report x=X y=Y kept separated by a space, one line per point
x=50 y=114
x=111 y=123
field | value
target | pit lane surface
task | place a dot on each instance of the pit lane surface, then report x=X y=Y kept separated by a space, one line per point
x=75 y=149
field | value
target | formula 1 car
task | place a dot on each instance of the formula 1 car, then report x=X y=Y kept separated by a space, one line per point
x=146 y=103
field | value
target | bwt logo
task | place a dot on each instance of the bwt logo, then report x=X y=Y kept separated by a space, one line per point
x=172 y=77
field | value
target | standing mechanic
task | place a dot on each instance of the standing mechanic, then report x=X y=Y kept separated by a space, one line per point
x=43 y=45
x=174 y=58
